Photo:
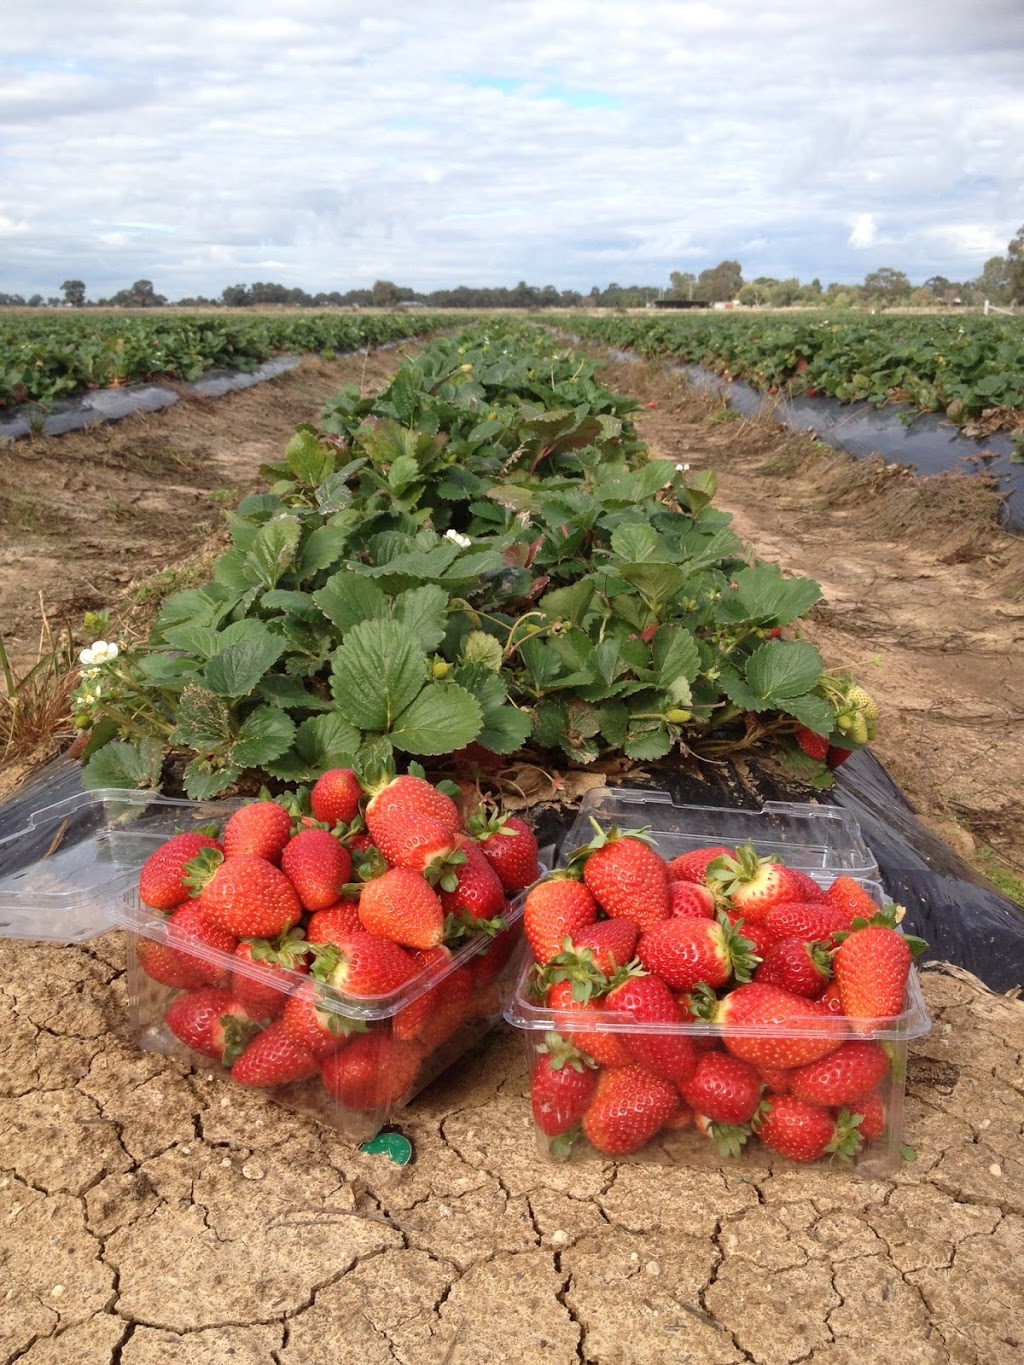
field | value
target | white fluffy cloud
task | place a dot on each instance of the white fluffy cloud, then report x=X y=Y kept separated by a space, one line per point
x=570 y=142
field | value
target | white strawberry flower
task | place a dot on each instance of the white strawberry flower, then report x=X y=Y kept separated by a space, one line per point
x=459 y=539
x=682 y=468
x=101 y=652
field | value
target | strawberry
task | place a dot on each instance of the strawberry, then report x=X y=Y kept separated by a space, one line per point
x=261 y=828
x=805 y=1132
x=264 y=992
x=212 y=1022
x=413 y=795
x=669 y=1052
x=851 y=898
x=372 y=1071
x=329 y=925
x=586 y=1028
x=318 y=867
x=814 y=746
x=364 y=964
x=413 y=1017
x=814 y=921
x=169 y=964
x=758 y=935
x=555 y=908
x=162 y=883
x=836 y=757
x=248 y=896
x=510 y=847
x=693 y=866
x=797 y=965
x=335 y=797
x=688 y=900
x=487 y=962
x=843 y=1076
x=770 y=1027
x=830 y=999
x=777 y=1079
x=870 y=1109
x=630 y=1105
x=753 y=884
x=871 y=968
x=312 y=1025
x=684 y=952
x=273 y=1058
x=403 y=907
x=414 y=841
x=606 y=946
x=562 y=1085
x=450 y=1009
x=723 y=1088
x=627 y=877
x=473 y=890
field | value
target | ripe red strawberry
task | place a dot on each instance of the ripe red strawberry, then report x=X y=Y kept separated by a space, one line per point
x=693 y=866
x=411 y=1018
x=372 y=1071
x=814 y=746
x=813 y=921
x=261 y=828
x=414 y=841
x=472 y=890
x=843 y=1076
x=562 y=1085
x=871 y=968
x=680 y=1119
x=836 y=757
x=488 y=961
x=830 y=999
x=273 y=1058
x=364 y=964
x=851 y=898
x=162 y=883
x=264 y=989
x=510 y=847
x=687 y=900
x=593 y=1033
x=870 y=1109
x=330 y=925
x=212 y=1022
x=805 y=1132
x=555 y=909
x=797 y=965
x=685 y=952
x=171 y=965
x=628 y=878
x=318 y=866
x=414 y=795
x=360 y=843
x=248 y=896
x=669 y=1053
x=753 y=884
x=452 y=998
x=757 y=934
x=777 y=1079
x=770 y=1027
x=402 y=906
x=335 y=796
x=629 y=1106
x=313 y=1025
x=723 y=1088
x=610 y=944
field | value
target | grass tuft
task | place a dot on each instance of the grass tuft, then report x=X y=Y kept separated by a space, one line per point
x=34 y=710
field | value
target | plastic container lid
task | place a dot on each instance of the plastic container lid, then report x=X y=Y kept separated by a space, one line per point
x=62 y=872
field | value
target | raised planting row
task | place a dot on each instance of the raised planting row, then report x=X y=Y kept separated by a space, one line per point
x=962 y=366
x=47 y=356
x=480 y=561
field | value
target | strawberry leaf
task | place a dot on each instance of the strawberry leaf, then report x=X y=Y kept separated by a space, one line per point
x=442 y=718
x=377 y=671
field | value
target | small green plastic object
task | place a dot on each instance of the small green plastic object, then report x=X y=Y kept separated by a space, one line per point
x=392 y=1144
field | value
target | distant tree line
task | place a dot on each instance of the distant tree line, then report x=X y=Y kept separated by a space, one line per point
x=1001 y=282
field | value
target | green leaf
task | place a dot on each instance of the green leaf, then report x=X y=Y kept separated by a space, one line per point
x=290 y=694
x=658 y=582
x=265 y=734
x=505 y=729
x=323 y=547
x=308 y=460
x=484 y=650
x=327 y=741
x=675 y=656
x=647 y=740
x=236 y=670
x=377 y=670
x=202 y=783
x=814 y=712
x=614 y=721
x=120 y=764
x=333 y=493
x=443 y=718
x=272 y=550
x=201 y=641
x=781 y=669
x=425 y=611
x=571 y=603
x=634 y=542
x=295 y=603
x=763 y=596
x=347 y=598
x=203 y=721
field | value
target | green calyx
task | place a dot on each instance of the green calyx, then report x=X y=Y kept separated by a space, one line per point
x=201 y=869
x=561 y=1053
x=704 y=1003
x=238 y=1034
x=728 y=874
x=846 y=1140
x=729 y=1138
x=613 y=835
x=459 y=927
x=578 y=966
x=740 y=950
x=284 y=951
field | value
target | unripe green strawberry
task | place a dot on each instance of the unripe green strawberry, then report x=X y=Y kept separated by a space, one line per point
x=861 y=700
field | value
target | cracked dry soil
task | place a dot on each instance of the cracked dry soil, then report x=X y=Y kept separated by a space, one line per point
x=152 y=1215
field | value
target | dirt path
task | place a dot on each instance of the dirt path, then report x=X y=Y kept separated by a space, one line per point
x=148 y=1211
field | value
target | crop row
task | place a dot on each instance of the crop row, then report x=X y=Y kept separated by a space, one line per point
x=959 y=366
x=47 y=357
x=481 y=560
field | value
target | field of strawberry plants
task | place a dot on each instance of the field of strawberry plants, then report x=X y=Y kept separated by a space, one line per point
x=962 y=366
x=55 y=356
x=477 y=562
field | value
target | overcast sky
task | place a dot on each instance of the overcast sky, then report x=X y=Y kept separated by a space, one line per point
x=325 y=144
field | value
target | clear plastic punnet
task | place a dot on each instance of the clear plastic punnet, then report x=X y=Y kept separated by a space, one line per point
x=387 y=1047
x=63 y=870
